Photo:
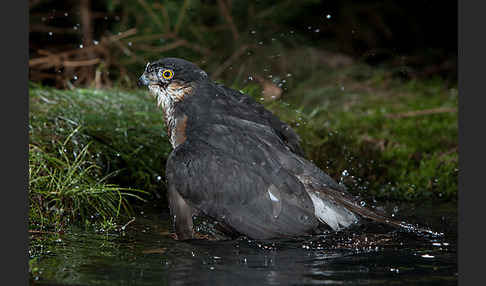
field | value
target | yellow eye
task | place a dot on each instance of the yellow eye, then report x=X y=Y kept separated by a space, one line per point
x=166 y=74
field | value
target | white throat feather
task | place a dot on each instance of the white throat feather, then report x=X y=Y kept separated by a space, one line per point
x=167 y=99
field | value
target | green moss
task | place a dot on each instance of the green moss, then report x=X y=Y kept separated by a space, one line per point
x=90 y=150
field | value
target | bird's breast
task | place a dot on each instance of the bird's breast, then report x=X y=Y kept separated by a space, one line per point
x=167 y=98
x=178 y=131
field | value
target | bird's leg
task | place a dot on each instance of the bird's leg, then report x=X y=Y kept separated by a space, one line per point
x=181 y=214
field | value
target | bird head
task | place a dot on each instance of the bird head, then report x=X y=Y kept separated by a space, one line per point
x=171 y=79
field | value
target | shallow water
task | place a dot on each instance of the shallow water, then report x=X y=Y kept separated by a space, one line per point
x=145 y=254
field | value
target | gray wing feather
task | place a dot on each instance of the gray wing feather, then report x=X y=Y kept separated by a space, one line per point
x=254 y=199
x=283 y=130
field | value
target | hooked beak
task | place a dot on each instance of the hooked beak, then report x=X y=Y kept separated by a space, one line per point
x=143 y=81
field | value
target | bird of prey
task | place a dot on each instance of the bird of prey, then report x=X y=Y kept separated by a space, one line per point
x=237 y=163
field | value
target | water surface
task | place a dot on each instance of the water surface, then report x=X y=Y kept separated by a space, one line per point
x=146 y=254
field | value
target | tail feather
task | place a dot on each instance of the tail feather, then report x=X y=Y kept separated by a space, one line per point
x=352 y=205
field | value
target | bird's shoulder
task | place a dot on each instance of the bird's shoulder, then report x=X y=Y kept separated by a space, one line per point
x=249 y=109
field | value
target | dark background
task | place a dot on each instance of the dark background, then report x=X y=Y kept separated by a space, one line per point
x=107 y=43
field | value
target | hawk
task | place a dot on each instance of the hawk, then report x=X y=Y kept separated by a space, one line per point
x=237 y=163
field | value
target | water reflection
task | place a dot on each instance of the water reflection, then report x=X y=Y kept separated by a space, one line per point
x=146 y=255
